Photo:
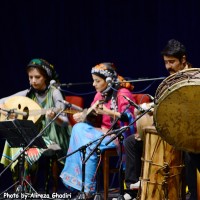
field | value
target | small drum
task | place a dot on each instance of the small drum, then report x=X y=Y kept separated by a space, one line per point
x=145 y=120
x=162 y=168
x=177 y=110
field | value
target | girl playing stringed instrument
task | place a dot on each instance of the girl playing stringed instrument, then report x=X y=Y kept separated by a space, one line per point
x=109 y=89
x=40 y=73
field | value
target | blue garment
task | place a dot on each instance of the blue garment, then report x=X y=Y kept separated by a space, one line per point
x=82 y=134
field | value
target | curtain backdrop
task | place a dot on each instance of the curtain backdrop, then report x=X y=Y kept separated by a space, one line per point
x=75 y=35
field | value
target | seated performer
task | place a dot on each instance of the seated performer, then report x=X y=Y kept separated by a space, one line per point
x=112 y=107
x=40 y=73
x=174 y=56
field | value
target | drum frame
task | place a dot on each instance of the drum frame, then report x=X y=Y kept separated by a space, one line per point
x=177 y=112
x=162 y=179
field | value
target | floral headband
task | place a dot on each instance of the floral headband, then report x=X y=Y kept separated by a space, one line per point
x=103 y=71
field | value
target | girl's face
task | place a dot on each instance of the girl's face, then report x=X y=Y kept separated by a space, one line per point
x=36 y=79
x=99 y=83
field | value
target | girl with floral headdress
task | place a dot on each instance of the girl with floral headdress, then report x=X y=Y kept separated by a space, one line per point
x=40 y=73
x=110 y=88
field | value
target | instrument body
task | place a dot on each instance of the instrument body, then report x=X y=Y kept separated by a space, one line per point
x=91 y=116
x=177 y=110
x=26 y=105
x=162 y=168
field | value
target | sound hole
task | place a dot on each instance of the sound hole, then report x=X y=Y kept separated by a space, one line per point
x=27 y=111
x=19 y=106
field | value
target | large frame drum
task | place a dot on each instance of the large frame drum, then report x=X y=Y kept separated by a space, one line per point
x=162 y=169
x=177 y=110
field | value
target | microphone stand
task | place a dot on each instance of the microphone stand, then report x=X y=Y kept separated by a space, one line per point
x=98 y=194
x=107 y=134
x=20 y=188
x=82 y=195
x=96 y=148
x=121 y=137
x=144 y=79
x=98 y=151
x=129 y=81
x=73 y=84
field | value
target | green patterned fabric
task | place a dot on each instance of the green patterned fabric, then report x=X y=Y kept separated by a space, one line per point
x=54 y=134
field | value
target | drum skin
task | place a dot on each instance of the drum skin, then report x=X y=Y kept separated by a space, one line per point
x=162 y=168
x=145 y=120
x=177 y=110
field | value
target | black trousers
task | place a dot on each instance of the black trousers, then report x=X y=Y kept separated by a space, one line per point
x=133 y=150
x=190 y=174
x=195 y=159
x=192 y=163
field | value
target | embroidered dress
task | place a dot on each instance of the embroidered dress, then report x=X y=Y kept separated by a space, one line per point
x=82 y=134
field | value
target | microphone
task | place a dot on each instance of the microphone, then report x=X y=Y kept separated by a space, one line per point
x=109 y=80
x=53 y=83
x=24 y=114
x=151 y=98
x=123 y=128
x=57 y=85
x=69 y=105
x=117 y=132
x=134 y=104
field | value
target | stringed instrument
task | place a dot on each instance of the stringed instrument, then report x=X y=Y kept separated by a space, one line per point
x=31 y=108
x=90 y=115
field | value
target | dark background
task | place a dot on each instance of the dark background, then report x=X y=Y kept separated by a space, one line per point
x=75 y=35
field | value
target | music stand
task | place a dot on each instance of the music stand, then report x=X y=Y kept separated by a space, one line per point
x=20 y=133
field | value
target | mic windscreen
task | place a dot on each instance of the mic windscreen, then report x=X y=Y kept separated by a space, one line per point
x=151 y=97
x=109 y=80
x=52 y=82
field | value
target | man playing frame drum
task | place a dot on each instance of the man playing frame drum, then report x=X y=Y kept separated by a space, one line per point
x=175 y=119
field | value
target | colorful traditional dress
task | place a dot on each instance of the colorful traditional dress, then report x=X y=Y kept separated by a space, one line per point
x=84 y=133
x=54 y=134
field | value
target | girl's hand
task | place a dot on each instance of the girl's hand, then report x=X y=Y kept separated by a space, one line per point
x=9 y=115
x=50 y=114
x=78 y=117
x=102 y=110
